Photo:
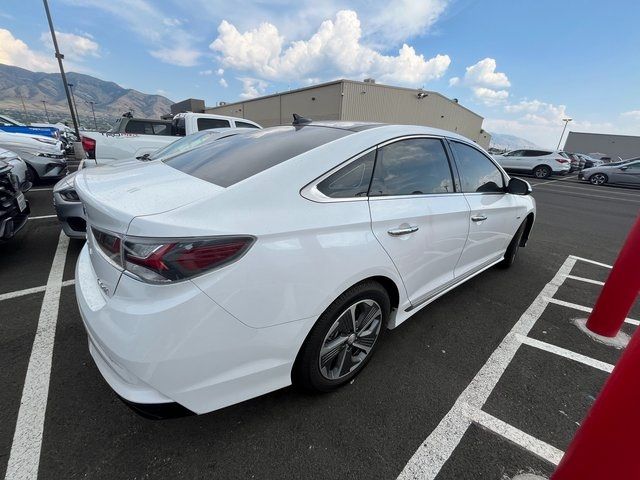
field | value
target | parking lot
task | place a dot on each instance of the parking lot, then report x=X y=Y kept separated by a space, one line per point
x=489 y=381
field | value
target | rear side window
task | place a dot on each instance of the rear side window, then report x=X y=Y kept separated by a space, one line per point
x=245 y=125
x=207 y=123
x=161 y=129
x=412 y=167
x=479 y=174
x=233 y=159
x=135 y=126
x=350 y=181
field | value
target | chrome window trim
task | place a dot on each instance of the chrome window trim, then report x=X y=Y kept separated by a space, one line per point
x=311 y=191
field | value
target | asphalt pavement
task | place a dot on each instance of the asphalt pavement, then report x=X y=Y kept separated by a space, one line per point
x=369 y=429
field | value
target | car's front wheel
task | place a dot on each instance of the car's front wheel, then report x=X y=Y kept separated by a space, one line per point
x=343 y=339
x=542 y=171
x=598 y=179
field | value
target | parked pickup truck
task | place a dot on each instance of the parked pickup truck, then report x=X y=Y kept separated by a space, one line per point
x=135 y=137
x=9 y=125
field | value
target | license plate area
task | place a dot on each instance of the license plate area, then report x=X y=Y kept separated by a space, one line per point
x=22 y=203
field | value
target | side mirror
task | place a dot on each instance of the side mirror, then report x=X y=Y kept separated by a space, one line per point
x=517 y=186
x=623 y=168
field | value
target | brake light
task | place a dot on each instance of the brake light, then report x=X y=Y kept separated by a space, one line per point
x=89 y=146
x=158 y=261
x=561 y=160
x=110 y=245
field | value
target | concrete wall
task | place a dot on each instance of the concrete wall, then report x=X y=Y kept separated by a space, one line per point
x=623 y=146
x=380 y=103
x=359 y=101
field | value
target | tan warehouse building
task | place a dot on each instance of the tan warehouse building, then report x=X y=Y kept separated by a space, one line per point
x=361 y=101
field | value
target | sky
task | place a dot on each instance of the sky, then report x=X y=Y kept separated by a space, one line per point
x=522 y=65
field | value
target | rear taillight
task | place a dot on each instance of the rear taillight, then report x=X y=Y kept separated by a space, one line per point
x=166 y=261
x=561 y=160
x=169 y=260
x=89 y=146
x=110 y=245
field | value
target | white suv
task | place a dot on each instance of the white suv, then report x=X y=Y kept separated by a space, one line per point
x=540 y=163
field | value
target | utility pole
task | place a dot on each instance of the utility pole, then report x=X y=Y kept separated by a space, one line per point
x=23 y=106
x=44 y=102
x=59 y=56
x=566 y=121
x=95 y=123
x=75 y=104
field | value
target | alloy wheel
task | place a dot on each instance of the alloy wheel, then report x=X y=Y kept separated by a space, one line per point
x=598 y=179
x=350 y=339
x=541 y=172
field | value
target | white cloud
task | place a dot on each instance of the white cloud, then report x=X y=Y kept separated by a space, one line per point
x=220 y=71
x=488 y=86
x=252 y=87
x=180 y=56
x=147 y=21
x=334 y=49
x=205 y=72
x=489 y=96
x=404 y=19
x=74 y=47
x=538 y=112
x=223 y=82
x=633 y=114
x=14 y=51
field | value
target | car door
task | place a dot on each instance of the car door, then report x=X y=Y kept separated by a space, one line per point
x=511 y=161
x=494 y=215
x=416 y=213
x=629 y=173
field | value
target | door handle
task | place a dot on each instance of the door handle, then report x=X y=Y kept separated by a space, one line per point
x=403 y=231
x=478 y=218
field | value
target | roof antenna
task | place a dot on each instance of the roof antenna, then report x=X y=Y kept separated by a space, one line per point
x=300 y=120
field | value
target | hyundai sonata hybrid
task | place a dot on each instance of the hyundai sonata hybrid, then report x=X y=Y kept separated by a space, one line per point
x=280 y=256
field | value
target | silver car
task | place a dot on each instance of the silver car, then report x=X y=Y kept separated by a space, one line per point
x=622 y=173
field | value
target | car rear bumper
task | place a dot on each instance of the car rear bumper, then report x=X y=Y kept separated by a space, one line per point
x=157 y=344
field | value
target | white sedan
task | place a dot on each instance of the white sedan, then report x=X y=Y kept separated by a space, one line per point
x=281 y=255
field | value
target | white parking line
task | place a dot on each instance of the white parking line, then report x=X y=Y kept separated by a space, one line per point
x=24 y=458
x=42 y=216
x=591 y=189
x=524 y=440
x=563 y=352
x=563 y=179
x=427 y=461
x=589 y=195
x=582 y=308
x=29 y=291
x=591 y=261
x=586 y=280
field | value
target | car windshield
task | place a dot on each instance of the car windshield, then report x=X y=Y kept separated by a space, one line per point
x=239 y=157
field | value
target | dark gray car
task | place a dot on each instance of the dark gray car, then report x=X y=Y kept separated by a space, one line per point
x=622 y=173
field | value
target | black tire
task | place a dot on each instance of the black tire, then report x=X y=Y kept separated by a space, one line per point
x=542 y=171
x=32 y=175
x=598 y=179
x=306 y=371
x=512 y=250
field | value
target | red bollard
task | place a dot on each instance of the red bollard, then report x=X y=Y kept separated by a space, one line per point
x=606 y=444
x=620 y=290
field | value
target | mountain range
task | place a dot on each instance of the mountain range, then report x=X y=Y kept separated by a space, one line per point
x=503 y=141
x=22 y=93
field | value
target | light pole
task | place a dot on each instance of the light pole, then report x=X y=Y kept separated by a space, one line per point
x=95 y=123
x=44 y=102
x=75 y=104
x=566 y=121
x=59 y=56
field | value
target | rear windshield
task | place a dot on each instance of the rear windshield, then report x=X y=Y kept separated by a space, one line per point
x=231 y=160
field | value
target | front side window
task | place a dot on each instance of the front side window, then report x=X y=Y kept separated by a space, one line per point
x=350 y=181
x=207 y=123
x=479 y=174
x=412 y=167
